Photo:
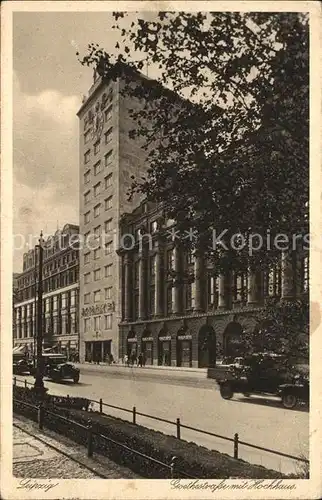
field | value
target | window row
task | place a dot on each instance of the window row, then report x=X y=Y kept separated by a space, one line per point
x=107 y=156
x=55 y=264
x=99 y=295
x=66 y=324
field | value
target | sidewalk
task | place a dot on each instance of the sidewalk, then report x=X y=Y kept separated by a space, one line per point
x=46 y=454
x=173 y=370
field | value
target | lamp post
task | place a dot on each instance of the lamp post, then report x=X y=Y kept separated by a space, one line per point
x=39 y=383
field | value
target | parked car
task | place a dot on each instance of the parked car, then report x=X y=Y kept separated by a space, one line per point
x=57 y=368
x=262 y=373
x=20 y=365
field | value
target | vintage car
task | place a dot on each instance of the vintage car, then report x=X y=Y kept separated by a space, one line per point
x=20 y=363
x=262 y=373
x=292 y=394
x=57 y=368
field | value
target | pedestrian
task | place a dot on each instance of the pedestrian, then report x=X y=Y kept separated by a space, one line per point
x=140 y=360
x=111 y=358
x=126 y=360
x=143 y=359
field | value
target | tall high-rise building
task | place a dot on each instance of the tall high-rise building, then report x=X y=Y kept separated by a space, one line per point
x=108 y=159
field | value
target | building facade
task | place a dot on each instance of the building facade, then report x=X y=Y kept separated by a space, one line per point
x=108 y=159
x=175 y=309
x=60 y=295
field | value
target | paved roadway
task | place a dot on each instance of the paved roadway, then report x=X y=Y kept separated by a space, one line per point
x=196 y=400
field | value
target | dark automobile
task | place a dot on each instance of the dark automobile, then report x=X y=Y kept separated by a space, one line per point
x=292 y=393
x=262 y=373
x=57 y=368
x=21 y=365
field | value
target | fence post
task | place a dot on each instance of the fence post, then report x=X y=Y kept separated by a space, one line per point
x=90 y=439
x=41 y=416
x=178 y=429
x=25 y=383
x=14 y=380
x=134 y=415
x=236 y=445
x=173 y=466
x=101 y=405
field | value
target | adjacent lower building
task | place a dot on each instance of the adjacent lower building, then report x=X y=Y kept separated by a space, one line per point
x=60 y=324
x=175 y=309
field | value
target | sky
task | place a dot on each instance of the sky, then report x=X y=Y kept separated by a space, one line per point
x=48 y=85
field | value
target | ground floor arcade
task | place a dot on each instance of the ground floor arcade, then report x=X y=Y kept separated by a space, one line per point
x=191 y=341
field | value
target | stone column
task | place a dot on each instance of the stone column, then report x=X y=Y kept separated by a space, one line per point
x=177 y=289
x=224 y=292
x=142 y=287
x=158 y=282
x=127 y=287
x=199 y=281
x=288 y=288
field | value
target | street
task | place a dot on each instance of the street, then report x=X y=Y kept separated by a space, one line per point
x=196 y=400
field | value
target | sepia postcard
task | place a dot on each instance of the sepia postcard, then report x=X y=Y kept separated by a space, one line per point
x=161 y=250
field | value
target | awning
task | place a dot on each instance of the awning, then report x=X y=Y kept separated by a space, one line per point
x=21 y=349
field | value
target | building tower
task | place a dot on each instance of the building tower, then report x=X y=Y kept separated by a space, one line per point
x=108 y=158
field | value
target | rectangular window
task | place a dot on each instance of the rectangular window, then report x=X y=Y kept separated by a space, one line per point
x=97 y=253
x=108 y=135
x=108 y=158
x=87 y=156
x=87 y=324
x=86 y=258
x=108 y=203
x=107 y=321
x=87 y=197
x=97 y=296
x=97 y=231
x=87 y=297
x=97 y=168
x=108 y=226
x=108 y=114
x=87 y=278
x=97 y=189
x=136 y=306
x=170 y=259
x=152 y=302
x=86 y=217
x=109 y=248
x=193 y=295
x=97 y=209
x=108 y=270
x=169 y=299
x=86 y=236
x=87 y=177
x=136 y=273
x=97 y=274
x=97 y=147
x=87 y=136
x=152 y=266
x=211 y=283
x=97 y=323
x=108 y=181
x=108 y=293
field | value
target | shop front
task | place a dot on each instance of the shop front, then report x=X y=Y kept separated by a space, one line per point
x=132 y=346
x=232 y=337
x=147 y=350
x=184 y=350
x=97 y=351
x=164 y=350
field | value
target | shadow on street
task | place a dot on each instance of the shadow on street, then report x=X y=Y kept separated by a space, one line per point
x=269 y=402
